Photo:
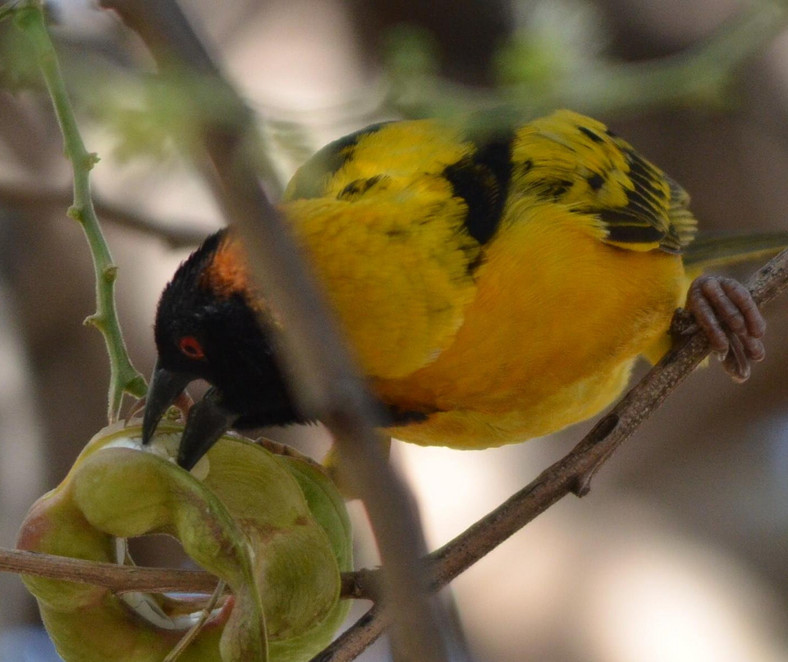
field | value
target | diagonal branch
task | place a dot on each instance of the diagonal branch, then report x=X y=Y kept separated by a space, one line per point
x=572 y=473
x=321 y=371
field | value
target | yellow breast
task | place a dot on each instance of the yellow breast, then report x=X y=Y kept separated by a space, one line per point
x=558 y=319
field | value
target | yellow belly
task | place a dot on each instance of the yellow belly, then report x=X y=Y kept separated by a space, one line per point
x=549 y=340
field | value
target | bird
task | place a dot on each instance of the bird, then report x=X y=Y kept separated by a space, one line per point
x=496 y=281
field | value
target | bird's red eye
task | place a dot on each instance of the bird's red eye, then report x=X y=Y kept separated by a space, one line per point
x=191 y=347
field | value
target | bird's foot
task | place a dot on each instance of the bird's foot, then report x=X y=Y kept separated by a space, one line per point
x=724 y=310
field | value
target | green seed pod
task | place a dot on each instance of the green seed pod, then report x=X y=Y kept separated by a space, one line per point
x=273 y=527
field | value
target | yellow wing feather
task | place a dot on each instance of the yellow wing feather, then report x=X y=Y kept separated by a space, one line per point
x=581 y=164
x=387 y=233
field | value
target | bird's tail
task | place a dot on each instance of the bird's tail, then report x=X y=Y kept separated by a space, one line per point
x=710 y=250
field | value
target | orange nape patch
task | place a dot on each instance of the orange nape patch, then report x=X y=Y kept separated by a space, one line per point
x=227 y=272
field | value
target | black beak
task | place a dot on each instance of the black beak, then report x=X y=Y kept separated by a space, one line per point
x=165 y=387
x=208 y=420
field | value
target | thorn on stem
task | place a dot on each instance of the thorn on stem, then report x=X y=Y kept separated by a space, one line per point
x=76 y=213
x=110 y=273
x=95 y=320
x=90 y=160
x=135 y=411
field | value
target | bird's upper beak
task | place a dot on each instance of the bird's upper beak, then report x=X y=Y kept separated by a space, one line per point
x=208 y=419
x=165 y=387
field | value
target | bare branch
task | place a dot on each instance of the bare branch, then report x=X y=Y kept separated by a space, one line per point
x=117 y=578
x=572 y=473
x=321 y=371
x=354 y=641
x=28 y=198
x=362 y=584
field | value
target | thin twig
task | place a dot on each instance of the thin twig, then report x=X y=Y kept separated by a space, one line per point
x=181 y=234
x=124 y=378
x=355 y=640
x=116 y=578
x=191 y=634
x=362 y=584
x=319 y=365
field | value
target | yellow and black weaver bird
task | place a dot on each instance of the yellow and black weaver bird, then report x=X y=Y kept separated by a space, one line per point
x=494 y=284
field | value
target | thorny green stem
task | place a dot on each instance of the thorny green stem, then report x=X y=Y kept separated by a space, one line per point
x=124 y=378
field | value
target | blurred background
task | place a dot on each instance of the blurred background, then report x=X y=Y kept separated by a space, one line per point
x=680 y=552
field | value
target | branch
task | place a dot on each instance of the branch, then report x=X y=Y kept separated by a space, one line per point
x=362 y=584
x=116 y=578
x=320 y=368
x=176 y=235
x=124 y=378
x=572 y=473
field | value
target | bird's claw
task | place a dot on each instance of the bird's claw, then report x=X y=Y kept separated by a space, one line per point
x=725 y=311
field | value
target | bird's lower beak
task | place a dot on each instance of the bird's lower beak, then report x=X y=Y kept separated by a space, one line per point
x=165 y=387
x=208 y=420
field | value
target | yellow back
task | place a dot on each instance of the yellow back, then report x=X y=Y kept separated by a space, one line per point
x=499 y=283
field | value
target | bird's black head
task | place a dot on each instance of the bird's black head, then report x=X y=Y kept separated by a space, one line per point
x=207 y=328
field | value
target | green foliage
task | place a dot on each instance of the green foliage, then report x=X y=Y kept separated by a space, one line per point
x=555 y=58
x=553 y=40
x=155 y=115
x=410 y=51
